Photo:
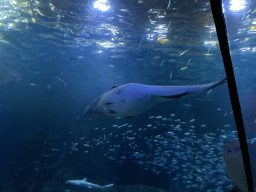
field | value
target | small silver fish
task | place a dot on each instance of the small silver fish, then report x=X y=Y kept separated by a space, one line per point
x=184 y=52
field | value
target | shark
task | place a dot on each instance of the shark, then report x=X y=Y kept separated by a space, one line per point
x=132 y=99
x=234 y=163
x=85 y=183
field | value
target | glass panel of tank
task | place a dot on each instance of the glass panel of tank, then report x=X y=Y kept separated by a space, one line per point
x=77 y=110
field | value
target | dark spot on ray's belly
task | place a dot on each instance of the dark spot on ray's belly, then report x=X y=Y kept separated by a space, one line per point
x=111 y=111
x=108 y=103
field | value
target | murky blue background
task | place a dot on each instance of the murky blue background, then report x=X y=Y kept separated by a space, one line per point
x=57 y=56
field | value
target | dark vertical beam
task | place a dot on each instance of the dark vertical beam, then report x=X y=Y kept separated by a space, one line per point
x=219 y=20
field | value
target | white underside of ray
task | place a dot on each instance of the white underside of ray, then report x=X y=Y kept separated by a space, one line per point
x=176 y=90
x=132 y=99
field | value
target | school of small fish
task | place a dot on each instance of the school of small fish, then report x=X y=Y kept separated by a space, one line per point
x=197 y=160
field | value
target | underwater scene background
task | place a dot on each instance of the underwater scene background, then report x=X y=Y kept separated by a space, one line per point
x=58 y=56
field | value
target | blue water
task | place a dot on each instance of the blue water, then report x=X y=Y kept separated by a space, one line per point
x=58 y=56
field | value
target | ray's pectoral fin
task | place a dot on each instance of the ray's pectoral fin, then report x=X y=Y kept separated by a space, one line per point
x=176 y=96
x=224 y=80
x=92 y=107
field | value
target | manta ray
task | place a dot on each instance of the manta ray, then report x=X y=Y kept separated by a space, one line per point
x=235 y=167
x=132 y=99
